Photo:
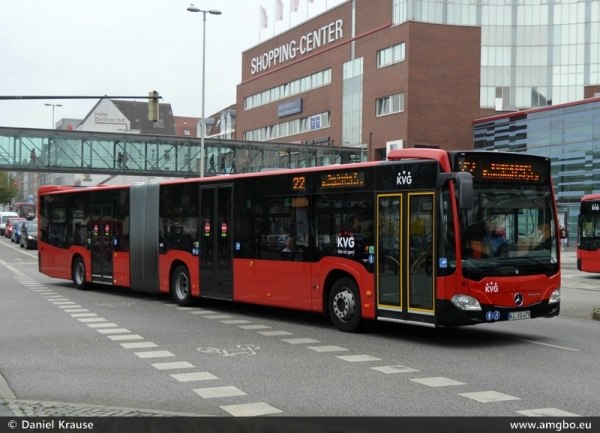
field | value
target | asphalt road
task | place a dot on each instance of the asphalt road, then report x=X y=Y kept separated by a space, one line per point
x=109 y=350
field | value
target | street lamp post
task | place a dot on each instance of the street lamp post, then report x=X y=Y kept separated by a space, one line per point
x=53 y=105
x=192 y=8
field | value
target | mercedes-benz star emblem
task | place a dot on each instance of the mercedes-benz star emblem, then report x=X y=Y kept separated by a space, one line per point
x=518 y=299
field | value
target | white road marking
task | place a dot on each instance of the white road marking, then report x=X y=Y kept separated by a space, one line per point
x=191 y=377
x=235 y=322
x=390 y=369
x=155 y=354
x=102 y=325
x=125 y=337
x=250 y=409
x=114 y=331
x=274 y=333
x=548 y=411
x=254 y=327
x=219 y=392
x=139 y=345
x=358 y=358
x=327 y=348
x=437 y=381
x=300 y=340
x=544 y=344
x=172 y=365
x=488 y=396
x=93 y=320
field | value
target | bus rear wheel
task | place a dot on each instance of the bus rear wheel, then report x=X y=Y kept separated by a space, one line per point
x=79 y=274
x=344 y=305
x=181 y=287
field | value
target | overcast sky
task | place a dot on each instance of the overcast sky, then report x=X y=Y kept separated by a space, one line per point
x=128 y=48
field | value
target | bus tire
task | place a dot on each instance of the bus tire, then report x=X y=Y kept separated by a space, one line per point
x=344 y=305
x=79 y=274
x=181 y=288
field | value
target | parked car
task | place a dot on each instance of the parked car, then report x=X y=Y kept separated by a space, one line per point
x=4 y=216
x=29 y=234
x=9 y=224
x=15 y=235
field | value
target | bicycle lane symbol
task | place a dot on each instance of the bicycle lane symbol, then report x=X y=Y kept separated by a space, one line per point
x=240 y=349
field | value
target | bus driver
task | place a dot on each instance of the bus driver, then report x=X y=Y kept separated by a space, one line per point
x=494 y=239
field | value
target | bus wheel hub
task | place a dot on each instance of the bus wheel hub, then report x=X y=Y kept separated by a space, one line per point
x=344 y=305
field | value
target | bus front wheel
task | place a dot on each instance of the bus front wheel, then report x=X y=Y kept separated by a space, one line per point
x=79 y=274
x=180 y=286
x=344 y=305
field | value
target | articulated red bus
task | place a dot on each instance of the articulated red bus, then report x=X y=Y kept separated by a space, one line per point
x=588 y=234
x=401 y=240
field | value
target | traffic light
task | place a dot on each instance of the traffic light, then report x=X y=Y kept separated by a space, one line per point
x=153 y=106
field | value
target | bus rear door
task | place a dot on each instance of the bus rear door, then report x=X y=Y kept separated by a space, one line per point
x=405 y=279
x=102 y=233
x=216 y=252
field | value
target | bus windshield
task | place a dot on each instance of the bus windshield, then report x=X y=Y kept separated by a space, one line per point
x=509 y=231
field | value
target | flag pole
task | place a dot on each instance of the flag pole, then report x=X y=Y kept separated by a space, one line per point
x=274 y=15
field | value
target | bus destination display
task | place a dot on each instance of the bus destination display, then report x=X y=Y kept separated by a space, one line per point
x=487 y=169
x=340 y=180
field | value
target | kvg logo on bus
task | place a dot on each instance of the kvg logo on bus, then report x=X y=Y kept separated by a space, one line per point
x=404 y=178
x=491 y=287
x=345 y=244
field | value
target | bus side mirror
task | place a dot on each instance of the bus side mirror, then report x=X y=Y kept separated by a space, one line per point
x=464 y=185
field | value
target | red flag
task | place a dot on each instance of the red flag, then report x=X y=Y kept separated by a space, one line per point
x=311 y=1
x=264 y=19
x=279 y=10
x=294 y=5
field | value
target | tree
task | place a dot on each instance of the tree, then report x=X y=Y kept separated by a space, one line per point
x=9 y=187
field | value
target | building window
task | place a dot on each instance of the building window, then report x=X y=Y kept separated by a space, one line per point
x=283 y=91
x=399 y=11
x=391 y=55
x=352 y=101
x=291 y=127
x=390 y=104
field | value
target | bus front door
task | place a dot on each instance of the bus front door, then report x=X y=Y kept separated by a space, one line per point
x=216 y=252
x=405 y=279
x=101 y=244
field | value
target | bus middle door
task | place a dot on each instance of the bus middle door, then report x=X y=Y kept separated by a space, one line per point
x=101 y=244
x=216 y=252
x=405 y=279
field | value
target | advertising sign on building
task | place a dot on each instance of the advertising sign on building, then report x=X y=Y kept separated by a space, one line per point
x=289 y=107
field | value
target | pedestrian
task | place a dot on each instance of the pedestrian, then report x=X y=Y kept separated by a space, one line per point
x=212 y=168
x=223 y=165
x=33 y=157
x=564 y=236
x=119 y=160
x=125 y=159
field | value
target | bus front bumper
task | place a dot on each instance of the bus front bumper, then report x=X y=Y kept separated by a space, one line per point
x=450 y=315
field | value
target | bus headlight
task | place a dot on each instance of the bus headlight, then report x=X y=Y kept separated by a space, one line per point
x=467 y=303
x=554 y=297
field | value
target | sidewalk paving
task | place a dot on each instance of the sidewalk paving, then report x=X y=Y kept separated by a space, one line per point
x=10 y=406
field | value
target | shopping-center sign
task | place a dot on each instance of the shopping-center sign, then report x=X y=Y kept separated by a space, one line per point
x=311 y=41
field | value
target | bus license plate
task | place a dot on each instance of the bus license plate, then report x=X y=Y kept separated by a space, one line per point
x=519 y=315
